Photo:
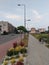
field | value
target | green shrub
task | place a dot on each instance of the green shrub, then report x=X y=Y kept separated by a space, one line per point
x=16 y=52
x=9 y=53
x=24 y=50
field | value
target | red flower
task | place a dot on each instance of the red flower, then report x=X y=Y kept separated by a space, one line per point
x=20 y=63
x=22 y=43
x=14 y=44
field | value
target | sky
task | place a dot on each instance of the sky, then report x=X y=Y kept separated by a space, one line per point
x=36 y=10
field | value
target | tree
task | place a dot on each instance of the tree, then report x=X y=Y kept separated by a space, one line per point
x=22 y=28
x=16 y=31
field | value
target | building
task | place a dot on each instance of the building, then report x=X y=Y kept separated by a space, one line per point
x=5 y=26
x=33 y=30
x=41 y=30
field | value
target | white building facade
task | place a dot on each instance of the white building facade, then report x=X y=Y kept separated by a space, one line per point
x=5 y=26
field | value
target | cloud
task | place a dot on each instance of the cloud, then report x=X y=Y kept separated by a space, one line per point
x=36 y=16
x=35 y=12
x=13 y=16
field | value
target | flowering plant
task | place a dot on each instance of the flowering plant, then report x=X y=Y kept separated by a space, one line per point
x=22 y=43
x=18 y=48
x=11 y=49
x=5 y=62
x=21 y=58
x=19 y=63
x=12 y=61
x=23 y=50
x=10 y=53
x=14 y=45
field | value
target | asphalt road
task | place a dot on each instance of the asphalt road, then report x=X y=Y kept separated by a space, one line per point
x=38 y=54
x=6 y=38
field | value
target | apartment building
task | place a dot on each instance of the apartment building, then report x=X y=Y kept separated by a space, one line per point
x=5 y=26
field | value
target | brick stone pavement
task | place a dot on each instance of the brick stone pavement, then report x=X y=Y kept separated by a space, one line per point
x=38 y=54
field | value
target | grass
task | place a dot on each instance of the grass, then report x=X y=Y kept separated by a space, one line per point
x=38 y=36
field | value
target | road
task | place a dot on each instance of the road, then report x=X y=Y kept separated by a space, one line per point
x=38 y=54
x=5 y=38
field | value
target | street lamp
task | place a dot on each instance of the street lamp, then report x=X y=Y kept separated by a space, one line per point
x=27 y=21
x=24 y=16
x=24 y=13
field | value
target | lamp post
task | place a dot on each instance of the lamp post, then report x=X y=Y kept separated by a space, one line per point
x=28 y=20
x=24 y=16
x=24 y=13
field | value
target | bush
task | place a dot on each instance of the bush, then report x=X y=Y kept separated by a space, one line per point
x=23 y=50
x=16 y=52
x=10 y=53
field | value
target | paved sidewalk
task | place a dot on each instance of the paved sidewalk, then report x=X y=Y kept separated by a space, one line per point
x=38 y=54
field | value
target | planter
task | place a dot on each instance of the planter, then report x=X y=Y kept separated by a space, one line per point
x=16 y=55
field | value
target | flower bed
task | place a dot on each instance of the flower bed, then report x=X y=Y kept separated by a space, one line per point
x=16 y=55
